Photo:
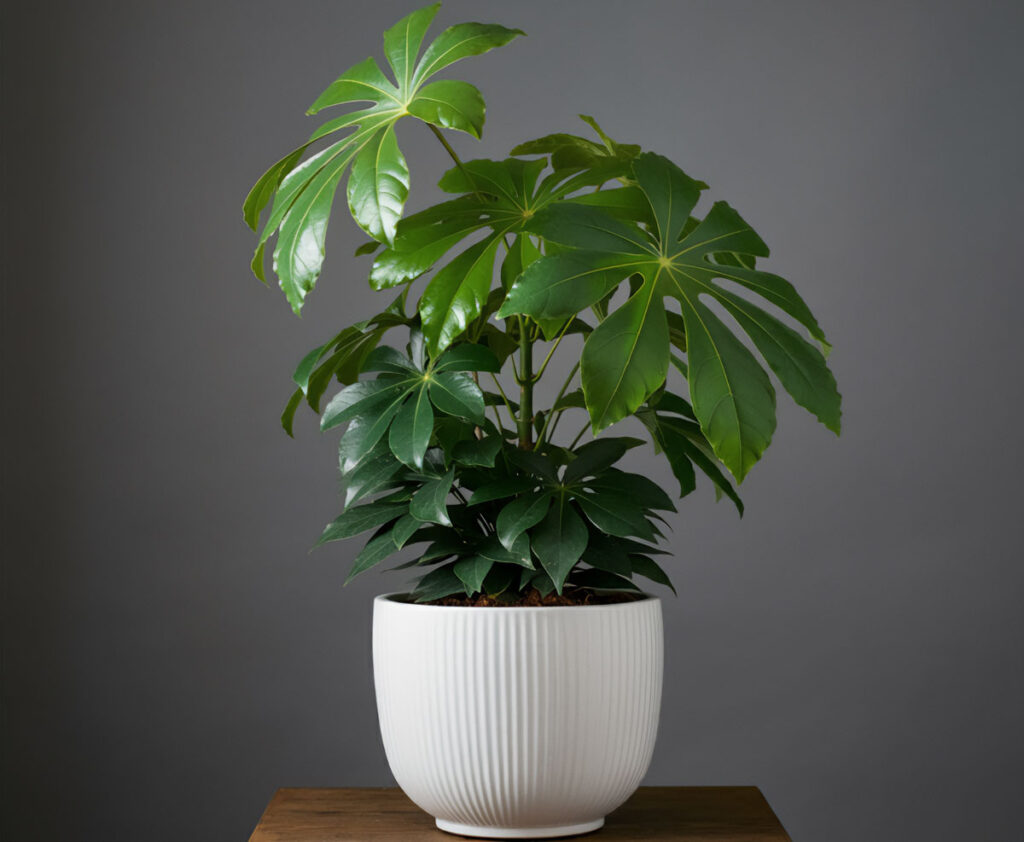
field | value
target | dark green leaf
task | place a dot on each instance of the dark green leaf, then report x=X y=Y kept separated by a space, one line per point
x=411 y=430
x=467 y=357
x=360 y=519
x=438 y=584
x=374 y=552
x=520 y=515
x=649 y=568
x=615 y=514
x=595 y=456
x=471 y=572
x=480 y=452
x=429 y=504
x=456 y=394
x=559 y=541
x=602 y=580
x=501 y=489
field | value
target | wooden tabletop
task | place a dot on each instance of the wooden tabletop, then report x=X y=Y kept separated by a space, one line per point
x=653 y=814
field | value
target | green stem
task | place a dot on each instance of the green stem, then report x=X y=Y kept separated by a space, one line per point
x=504 y=397
x=547 y=359
x=558 y=397
x=579 y=435
x=525 y=421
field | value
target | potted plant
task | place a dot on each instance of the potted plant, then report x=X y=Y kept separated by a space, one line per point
x=519 y=680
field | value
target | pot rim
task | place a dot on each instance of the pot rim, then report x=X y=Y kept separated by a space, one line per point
x=390 y=599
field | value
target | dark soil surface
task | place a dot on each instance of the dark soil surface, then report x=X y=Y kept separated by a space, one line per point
x=533 y=598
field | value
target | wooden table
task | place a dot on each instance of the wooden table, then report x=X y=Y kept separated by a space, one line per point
x=654 y=814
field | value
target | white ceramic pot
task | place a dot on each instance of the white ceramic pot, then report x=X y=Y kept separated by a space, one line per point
x=518 y=723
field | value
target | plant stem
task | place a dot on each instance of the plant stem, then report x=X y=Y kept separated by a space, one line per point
x=525 y=421
x=558 y=397
x=579 y=435
x=504 y=397
x=547 y=359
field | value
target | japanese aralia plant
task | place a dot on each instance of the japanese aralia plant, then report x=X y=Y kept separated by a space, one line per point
x=575 y=248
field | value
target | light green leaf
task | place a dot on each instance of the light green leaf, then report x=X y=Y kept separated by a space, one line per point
x=459 y=42
x=402 y=43
x=378 y=186
x=457 y=293
x=450 y=104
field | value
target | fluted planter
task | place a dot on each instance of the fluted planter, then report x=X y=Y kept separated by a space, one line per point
x=518 y=723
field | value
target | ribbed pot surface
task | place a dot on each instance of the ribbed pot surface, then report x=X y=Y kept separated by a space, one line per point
x=518 y=722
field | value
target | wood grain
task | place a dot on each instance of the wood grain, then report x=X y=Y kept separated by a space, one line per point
x=653 y=814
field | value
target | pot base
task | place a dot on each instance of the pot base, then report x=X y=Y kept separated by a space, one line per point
x=519 y=832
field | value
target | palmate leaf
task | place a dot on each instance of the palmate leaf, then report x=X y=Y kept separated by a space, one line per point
x=499 y=198
x=625 y=360
x=378 y=180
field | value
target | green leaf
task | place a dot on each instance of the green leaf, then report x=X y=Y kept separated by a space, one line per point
x=459 y=42
x=373 y=553
x=288 y=415
x=450 y=104
x=379 y=179
x=365 y=431
x=429 y=504
x=360 y=519
x=411 y=430
x=520 y=515
x=385 y=358
x=480 y=453
x=559 y=541
x=650 y=569
x=562 y=285
x=363 y=82
x=518 y=553
x=402 y=43
x=625 y=359
x=501 y=489
x=378 y=186
x=372 y=475
x=639 y=488
x=615 y=514
x=438 y=584
x=456 y=394
x=605 y=554
x=264 y=189
x=467 y=357
x=359 y=398
x=405 y=527
x=602 y=580
x=596 y=456
x=732 y=396
x=457 y=293
x=799 y=366
x=472 y=571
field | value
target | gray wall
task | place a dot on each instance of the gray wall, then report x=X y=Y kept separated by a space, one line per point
x=172 y=653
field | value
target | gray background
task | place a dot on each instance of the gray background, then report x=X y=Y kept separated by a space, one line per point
x=172 y=653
